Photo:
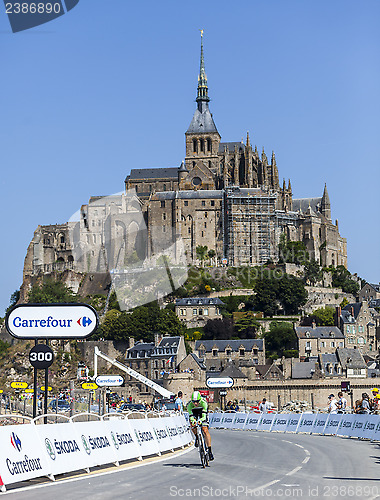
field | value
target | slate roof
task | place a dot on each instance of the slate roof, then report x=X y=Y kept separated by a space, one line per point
x=199 y=361
x=319 y=332
x=231 y=146
x=350 y=358
x=329 y=359
x=234 y=344
x=153 y=173
x=374 y=303
x=375 y=286
x=196 y=301
x=302 y=204
x=167 y=346
x=355 y=307
x=202 y=122
x=303 y=369
x=231 y=370
x=187 y=195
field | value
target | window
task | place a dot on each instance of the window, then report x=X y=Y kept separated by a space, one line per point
x=255 y=361
x=212 y=203
x=156 y=374
x=203 y=203
x=183 y=312
x=164 y=187
x=241 y=352
x=164 y=229
x=162 y=203
x=200 y=312
x=189 y=230
x=228 y=352
x=202 y=234
x=164 y=216
x=202 y=145
x=186 y=203
x=94 y=235
x=330 y=369
x=255 y=351
x=209 y=145
x=360 y=329
x=340 y=344
x=332 y=344
x=205 y=312
x=205 y=215
x=308 y=345
x=195 y=146
x=323 y=344
x=62 y=239
x=195 y=312
x=205 y=225
x=348 y=329
x=215 y=352
x=361 y=340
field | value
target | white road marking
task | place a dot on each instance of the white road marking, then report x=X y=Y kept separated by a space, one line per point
x=305 y=460
x=293 y=471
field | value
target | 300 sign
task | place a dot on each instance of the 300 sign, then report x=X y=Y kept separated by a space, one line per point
x=41 y=356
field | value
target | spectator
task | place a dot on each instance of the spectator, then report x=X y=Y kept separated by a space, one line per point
x=342 y=403
x=264 y=406
x=374 y=402
x=234 y=406
x=178 y=403
x=228 y=407
x=365 y=407
x=333 y=405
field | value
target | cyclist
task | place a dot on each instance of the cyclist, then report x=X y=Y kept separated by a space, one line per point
x=198 y=405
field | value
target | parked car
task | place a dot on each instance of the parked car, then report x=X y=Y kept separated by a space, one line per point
x=63 y=405
x=132 y=407
x=165 y=404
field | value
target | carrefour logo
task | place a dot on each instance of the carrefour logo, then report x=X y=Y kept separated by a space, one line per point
x=16 y=442
x=84 y=321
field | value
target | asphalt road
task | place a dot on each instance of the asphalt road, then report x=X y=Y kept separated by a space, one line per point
x=247 y=465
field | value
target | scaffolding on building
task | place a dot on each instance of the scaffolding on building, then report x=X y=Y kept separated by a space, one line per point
x=253 y=225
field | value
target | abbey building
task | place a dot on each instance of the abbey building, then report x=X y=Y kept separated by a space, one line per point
x=226 y=196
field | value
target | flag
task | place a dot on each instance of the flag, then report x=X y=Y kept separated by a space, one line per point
x=169 y=360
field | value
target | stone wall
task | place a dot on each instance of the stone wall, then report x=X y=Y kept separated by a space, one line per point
x=324 y=297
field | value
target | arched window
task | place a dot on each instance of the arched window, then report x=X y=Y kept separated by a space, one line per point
x=209 y=145
x=202 y=145
x=195 y=146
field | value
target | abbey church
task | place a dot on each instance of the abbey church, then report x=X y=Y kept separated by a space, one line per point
x=224 y=195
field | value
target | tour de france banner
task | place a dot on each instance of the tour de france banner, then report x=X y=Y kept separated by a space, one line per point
x=21 y=454
x=280 y=422
x=123 y=438
x=63 y=447
x=143 y=431
x=239 y=420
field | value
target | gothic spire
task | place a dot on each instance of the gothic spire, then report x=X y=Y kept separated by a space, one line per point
x=202 y=95
x=325 y=204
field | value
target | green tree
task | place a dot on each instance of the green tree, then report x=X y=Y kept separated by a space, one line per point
x=341 y=278
x=51 y=292
x=312 y=272
x=247 y=326
x=291 y=294
x=168 y=323
x=114 y=325
x=265 y=300
x=13 y=300
x=281 y=337
x=218 y=329
x=201 y=251
x=294 y=252
x=324 y=316
x=344 y=302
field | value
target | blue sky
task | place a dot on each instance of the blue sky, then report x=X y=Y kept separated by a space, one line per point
x=111 y=86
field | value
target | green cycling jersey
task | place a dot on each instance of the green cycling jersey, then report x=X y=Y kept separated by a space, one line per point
x=202 y=404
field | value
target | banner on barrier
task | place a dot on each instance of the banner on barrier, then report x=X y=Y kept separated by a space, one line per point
x=65 y=451
x=215 y=419
x=122 y=438
x=320 y=423
x=227 y=420
x=332 y=423
x=306 y=422
x=175 y=431
x=239 y=420
x=266 y=421
x=293 y=421
x=252 y=421
x=145 y=437
x=97 y=442
x=280 y=422
x=345 y=425
x=22 y=456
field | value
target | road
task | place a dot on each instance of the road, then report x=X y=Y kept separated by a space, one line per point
x=247 y=465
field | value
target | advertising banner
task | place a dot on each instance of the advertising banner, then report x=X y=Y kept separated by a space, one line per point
x=174 y=430
x=143 y=431
x=227 y=420
x=293 y=421
x=332 y=424
x=97 y=442
x=22 y=456
x=63 y=448
x=280 y=422
x=215 y=419
x=187 y=435
x=320 y=423
x=252 y=421
x=266 y=422
x=123 y=439
x=375 y=433
x=345 y=426
x=364 y=426
x=239 y=420
x=160 y=429
x=306 y=422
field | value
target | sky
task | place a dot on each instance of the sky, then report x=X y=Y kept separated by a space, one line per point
x=111 y=86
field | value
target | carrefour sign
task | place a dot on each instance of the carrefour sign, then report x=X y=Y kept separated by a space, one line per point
x=216 y=382
x=51 y=321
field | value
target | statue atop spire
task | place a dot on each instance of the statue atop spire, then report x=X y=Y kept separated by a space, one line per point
x=202 y=95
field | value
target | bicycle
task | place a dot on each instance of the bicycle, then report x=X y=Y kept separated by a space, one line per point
x=203 y=450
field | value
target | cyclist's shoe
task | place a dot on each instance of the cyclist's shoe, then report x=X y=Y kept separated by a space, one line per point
x=210 y=455
x=196 y=442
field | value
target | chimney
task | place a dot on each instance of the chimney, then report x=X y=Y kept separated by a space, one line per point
x=313 y=325
x=352 y=311
x=157 y=339
x=338 y=312
x=131 y=342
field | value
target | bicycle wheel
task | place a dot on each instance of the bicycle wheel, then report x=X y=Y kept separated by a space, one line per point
x=202 y=449
x=205 y=450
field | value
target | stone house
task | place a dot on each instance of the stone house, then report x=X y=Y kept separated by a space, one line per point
x=358 y=322
x=154 y=359
x=370 y=291
x=314 y=340
x=196 y=311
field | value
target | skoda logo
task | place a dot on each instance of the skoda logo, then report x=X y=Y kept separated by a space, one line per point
x=86 y=446
x=137 y=437
x=50 y=448
x=115 y=442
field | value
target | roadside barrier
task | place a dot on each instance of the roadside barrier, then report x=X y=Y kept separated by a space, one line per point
x=35 y=449
x=350 y=425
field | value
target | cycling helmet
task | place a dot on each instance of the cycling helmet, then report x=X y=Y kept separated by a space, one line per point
x=196 y=396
